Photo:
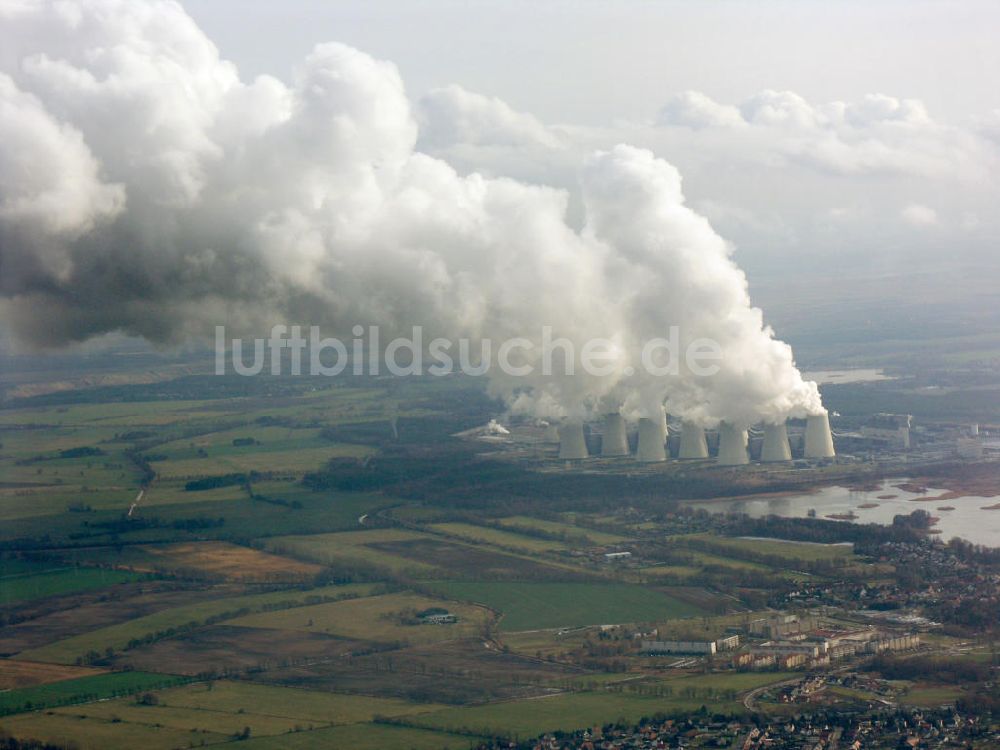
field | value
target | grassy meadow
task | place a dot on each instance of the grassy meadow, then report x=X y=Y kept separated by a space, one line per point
x=530 y=606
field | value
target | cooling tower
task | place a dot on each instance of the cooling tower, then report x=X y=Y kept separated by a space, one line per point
x=571 y=441
x=819 y=441
x=615 y=441
x=775 y=447
x=551 y=434
x=651 y=441
x=693 y=443
x=732 y=445
x=662 y=421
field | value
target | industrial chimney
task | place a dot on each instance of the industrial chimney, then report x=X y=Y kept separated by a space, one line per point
x=732 y=445
x=615 y=440
x=571 y=441
x=819 y=441
x=775 y=446
x=693 y=443
x=651 y=440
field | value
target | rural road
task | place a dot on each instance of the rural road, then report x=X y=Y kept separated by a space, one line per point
x=750 y=698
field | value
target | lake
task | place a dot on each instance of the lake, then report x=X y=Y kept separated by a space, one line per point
x=859 y=375
x=968 y=520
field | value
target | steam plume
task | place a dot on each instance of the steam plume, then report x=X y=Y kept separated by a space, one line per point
x=146 y=188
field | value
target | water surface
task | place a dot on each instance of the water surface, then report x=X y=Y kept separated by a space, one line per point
x=968 y=520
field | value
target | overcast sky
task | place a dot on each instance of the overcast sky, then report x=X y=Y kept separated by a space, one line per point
x=583 y=61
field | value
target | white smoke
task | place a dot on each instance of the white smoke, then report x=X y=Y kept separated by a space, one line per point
x=145 y=188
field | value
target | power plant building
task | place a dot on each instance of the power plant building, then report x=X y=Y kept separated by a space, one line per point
x=890 y=429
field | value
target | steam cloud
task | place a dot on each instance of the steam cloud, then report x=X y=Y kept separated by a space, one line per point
x=145 y=188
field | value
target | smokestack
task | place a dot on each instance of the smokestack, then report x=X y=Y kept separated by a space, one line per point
x=775 y=446
x=615 y=441
x=819 y=441
x=651 y=441
x=551 y=434
x=732 y=445
x=693 y=443
x=571 y=441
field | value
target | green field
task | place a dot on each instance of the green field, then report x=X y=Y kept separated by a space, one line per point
x=374 y=619
x=241 y=518
x=527 y=606
x=228 y=707
x=82 y=689
x=669 y=571
x=703 y=559
x=791 y=550
x=499 y=538
x=568 y=711
x=294 y=459
x=364 y=737
x=74 y=731
x=25 y=586
x=219 y=711
x=171 y=492
x=351 y=548
x=270 y=700
x=931 y=696
x=565 y=530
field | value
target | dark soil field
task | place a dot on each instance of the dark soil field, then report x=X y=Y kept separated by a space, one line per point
x=228 y=648
x=456 y=672
x=472 y=561
x=65 y=616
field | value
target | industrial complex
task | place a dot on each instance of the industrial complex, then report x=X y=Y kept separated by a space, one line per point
x=613 y=443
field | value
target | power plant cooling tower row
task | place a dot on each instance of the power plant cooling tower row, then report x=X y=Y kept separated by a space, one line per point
x=733 y=442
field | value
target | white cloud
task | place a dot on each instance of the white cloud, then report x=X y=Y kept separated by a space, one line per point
x=780 y=108
x=694 y=109
x=918 y=215
x=49 y=178
x=773 y=172
x=877 y=135
x=452 y=115
x=878 y=108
